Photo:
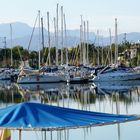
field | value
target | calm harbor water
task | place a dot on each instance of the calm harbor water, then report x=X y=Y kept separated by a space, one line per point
x=115 y=97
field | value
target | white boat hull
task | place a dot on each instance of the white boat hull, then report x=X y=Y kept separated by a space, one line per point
x=117 y=76
x=44 y=78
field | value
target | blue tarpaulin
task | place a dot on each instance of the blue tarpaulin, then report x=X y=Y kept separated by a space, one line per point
x=36 y=116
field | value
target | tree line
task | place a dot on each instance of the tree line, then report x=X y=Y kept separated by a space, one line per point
x=104 y=55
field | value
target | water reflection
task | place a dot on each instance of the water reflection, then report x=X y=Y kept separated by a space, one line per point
x=62 y=94
x=9 y=93
x=114 y=97
x=127 y=92
x=117 y=86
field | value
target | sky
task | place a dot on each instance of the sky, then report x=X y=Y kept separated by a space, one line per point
x=100 y=13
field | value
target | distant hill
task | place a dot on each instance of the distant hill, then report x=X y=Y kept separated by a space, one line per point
x=19 y=30
x=22 y=34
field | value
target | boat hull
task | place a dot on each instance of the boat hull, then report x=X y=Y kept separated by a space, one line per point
x=78 y=80
x=40 y=79
x=117 y=77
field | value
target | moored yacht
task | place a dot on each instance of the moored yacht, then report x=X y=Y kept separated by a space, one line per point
x=8 y=74
x=41 y=77
x=119 y=73
x=77 y=75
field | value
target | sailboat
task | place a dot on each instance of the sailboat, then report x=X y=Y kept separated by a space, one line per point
x=79 y=74
x=41 y=76
x=8 y=73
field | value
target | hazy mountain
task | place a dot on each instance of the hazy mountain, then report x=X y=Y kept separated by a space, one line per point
x=133 y=37
x=22 y=35
x=19 y=30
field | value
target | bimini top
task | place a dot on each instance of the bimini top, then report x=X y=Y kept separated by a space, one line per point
x=36 y=116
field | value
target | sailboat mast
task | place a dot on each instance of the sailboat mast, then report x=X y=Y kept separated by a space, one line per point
x=84 y=48
x=62 y=45
x=66 y=40
x=102 y=50
x=39 y=40
x=81 y=61
x=11 y=44
x=49 y=41
x=54 y=20
x=57 y=35
x=116 y=41
x=5 y=56
x=42 y=31
x=81 y=41
x=111 y=59
x=87 y=42
x=98 y=62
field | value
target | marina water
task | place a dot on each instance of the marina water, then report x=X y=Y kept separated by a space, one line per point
x=116 y=98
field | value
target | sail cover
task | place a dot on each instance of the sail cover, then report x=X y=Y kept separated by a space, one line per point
x=36 y=116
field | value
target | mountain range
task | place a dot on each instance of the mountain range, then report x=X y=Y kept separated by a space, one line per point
x=21 y=35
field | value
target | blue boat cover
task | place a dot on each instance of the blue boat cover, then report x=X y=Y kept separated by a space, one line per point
x=36 y=116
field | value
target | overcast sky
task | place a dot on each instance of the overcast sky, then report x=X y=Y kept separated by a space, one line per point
x=100 y=13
